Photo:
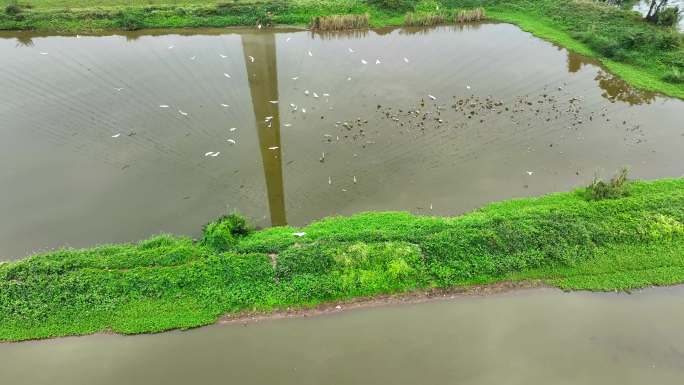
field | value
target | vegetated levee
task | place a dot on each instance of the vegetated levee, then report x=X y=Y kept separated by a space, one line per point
x=646 y=55
x=574 y=240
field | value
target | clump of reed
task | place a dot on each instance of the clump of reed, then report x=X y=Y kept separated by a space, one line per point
x=423 y=19
x=470 y=15
x=340 y=22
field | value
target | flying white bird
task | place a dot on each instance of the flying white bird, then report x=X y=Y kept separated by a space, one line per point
x=231 y=141
x=306 y=92
x=288 y=39
x=348 y=78
x=363 y=61
x=171 y=47
x=273 y=148
x=315 y=95
x=310 y=54
x=530 y=172
x=222 y=56
x=354 y=178
x=251 y=58
x=468 y=87
x=350 y=50
x=193 y=57
x=295 y=78
x=273 y=101
x=43 y=53
x=116 y=135
x=293 y=105
x=377 y=61
x=232 y=129
x=226 y=75
x=182 y=113
x=215 y=154
x=303 y=110
x=432 y=97
x=287 y=125
x=208 y=153
x=326 y=95
x=119 y=89
x=224 y=105
x=163 y=106
x=329 y=180
x=406 y=60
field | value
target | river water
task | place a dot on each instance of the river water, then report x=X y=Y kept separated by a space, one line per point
x=116 y=138
x=531 y=337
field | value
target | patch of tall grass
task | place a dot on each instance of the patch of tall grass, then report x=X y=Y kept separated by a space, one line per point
x=340 y=22
x=470 y=16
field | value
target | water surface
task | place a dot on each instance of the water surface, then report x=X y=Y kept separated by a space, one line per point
x=534 y=337
x=433 y=121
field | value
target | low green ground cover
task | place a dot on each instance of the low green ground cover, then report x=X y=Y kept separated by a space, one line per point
x=568 y=240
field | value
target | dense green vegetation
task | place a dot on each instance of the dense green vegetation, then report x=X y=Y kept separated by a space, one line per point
x=569 y=240
x=646 y=55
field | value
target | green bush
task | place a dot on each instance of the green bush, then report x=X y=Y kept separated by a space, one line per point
x=130 y=20
x=222 y=234
x=617 y=187
x=13 y=8
x=668 y=17
x=674 y=75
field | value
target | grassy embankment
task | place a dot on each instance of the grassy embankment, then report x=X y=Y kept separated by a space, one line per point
x=565 y=240
x=647 y=56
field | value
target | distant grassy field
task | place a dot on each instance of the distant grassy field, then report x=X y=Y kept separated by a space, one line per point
x=166 y=282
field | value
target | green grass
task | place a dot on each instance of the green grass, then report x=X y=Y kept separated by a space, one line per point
x=565 y=240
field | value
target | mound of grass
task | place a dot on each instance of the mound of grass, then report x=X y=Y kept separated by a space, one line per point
x=170 y=282
x=617 y=187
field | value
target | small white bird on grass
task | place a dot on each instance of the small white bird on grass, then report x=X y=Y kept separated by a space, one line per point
x=273 y=148
x=251 y=58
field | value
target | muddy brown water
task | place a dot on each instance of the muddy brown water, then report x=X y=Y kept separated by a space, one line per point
x=88 y=156
x=539 y=336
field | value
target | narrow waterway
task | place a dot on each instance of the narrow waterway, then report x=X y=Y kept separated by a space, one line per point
x=529 y=337
x=116 y=138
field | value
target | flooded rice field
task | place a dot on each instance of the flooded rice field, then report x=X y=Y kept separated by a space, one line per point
x=115 y=138
x=532 y=337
